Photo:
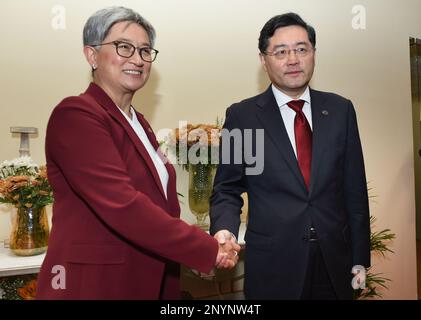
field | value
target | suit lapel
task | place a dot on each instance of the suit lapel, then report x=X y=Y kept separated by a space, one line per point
x=102 y=98
x=271 y=120
x=320 y=114
x=171 y=187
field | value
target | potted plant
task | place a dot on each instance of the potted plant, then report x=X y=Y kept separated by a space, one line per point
x=379 y=241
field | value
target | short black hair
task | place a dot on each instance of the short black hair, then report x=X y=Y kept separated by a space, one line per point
x=284 y=20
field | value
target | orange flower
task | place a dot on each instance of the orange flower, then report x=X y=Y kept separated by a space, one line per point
x=18 y=179
x=35 y=183
x=28 y=291
x=43 y=172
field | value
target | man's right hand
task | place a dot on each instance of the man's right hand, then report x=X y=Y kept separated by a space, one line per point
x=228 y=250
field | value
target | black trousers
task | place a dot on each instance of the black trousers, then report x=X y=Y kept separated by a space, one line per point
x=317 y=284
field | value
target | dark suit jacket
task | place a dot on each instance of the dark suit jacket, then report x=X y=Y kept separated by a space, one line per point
x=114 y=232
x=281 y=209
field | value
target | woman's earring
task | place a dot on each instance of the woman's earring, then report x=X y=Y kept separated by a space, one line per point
x=94 y=67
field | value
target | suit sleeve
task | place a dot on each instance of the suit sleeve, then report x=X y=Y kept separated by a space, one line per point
x=226 y=201
x=356 y=197
x=79 y=142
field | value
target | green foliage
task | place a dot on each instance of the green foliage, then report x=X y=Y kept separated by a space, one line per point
x=380 y=239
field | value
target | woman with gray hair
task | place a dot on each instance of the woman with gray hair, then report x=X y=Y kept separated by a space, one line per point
x=116 y=232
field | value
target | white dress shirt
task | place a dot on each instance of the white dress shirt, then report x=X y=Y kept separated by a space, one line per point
x=288 y=115
x=156 y=159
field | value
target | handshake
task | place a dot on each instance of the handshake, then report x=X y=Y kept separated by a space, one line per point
x=228 y=250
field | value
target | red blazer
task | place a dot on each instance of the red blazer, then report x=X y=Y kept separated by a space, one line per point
x=113 y=232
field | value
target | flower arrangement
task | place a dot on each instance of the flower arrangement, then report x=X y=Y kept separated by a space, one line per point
x=194 y=144
x=24 y=184
x=196 y=149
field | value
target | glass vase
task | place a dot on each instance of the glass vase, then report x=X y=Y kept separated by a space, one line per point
x=200 y=189
x=30 y=231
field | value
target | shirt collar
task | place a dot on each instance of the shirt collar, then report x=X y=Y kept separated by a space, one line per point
x=127 y=117
x=282 y=99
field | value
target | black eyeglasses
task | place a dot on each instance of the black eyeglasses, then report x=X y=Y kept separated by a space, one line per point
x=127 y=50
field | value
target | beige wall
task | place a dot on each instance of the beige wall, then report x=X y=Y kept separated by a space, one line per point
x=208 y=59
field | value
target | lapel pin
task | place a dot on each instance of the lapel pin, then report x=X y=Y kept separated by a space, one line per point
x=325 y=112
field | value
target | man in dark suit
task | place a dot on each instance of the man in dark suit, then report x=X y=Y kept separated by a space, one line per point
x=308 y=226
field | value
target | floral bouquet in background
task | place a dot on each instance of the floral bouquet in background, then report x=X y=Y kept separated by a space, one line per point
x=195 y=144
x=196 y=149
x=25 y=185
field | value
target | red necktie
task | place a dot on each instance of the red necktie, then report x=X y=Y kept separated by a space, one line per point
x=303 y=137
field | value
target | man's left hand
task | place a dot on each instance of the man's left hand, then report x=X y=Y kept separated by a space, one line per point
x=360 y=275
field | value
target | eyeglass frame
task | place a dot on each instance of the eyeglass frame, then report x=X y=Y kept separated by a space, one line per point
x=307 y=50
x=138 y=49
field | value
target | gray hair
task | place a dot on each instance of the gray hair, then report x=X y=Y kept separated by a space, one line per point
x=100 y=23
